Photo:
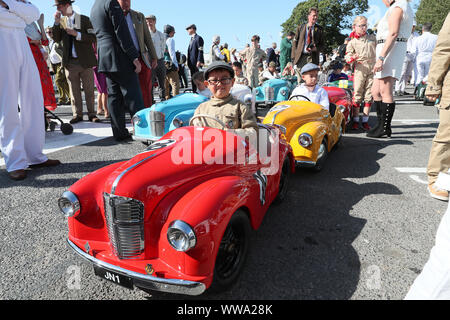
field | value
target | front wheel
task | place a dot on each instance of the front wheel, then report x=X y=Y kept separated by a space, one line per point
x=322 y=156
x=232 y=253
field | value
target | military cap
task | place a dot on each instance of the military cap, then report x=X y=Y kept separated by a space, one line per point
x=309 y=67
x=219 y=65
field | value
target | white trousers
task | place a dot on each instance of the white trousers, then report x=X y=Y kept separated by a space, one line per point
x=423 y=67
x=434 y=281
x=408 y=68
x=22 y=135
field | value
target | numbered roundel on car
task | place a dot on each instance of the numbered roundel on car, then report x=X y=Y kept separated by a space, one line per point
x=161 y=144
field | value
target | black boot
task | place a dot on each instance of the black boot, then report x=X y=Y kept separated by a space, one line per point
x=384 y=129
x=378 y=108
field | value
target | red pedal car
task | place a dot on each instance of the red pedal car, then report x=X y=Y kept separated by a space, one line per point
x=342 y=98
x=172 y=220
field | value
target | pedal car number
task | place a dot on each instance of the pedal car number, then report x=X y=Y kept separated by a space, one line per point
x=114 y=277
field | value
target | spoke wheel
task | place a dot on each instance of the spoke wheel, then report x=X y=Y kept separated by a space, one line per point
x=232 y=253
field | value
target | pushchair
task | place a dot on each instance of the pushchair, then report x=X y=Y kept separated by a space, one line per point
x=66 y=128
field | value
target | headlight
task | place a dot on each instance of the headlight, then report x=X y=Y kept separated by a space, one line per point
x=181 y=236
x=305 y=140
x=177 y=123
x=283 y=92
x=136 y=120
x=69 y=204
x=342 y=108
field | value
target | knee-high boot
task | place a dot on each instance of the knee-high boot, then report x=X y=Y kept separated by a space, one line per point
x=378 y=108
x=384 y=129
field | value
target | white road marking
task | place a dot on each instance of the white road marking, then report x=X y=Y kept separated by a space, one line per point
x=83 y=133
x=414 y=177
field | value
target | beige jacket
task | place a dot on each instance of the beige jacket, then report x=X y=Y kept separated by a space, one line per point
x=439 y=75
x=144 y=37
x=362 y=50
x=254 y=57
x=233 y=113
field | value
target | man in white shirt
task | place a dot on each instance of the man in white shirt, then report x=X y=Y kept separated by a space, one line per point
x=409 y=65
x=172 y=77
x=309 y=88
x=22 y=135
x=159 y=41
x=424 y=46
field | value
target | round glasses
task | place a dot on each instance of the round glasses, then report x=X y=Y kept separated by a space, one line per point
x=224 y=81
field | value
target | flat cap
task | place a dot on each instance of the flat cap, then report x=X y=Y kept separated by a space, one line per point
x=309 y=67
x=151 y=16
x=219 y=65
x=192 y=26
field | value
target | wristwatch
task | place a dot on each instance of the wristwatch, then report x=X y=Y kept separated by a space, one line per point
x=381 y=58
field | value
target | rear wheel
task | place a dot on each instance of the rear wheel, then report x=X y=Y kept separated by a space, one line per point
x=232 y=253
x=284 y=181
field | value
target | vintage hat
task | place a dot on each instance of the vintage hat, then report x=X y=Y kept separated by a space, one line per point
x=151 y=16
x=309 y=67
x=58 y=2
x=192 y=26
x=219 y=65
x=272 y=64
x=168 y=29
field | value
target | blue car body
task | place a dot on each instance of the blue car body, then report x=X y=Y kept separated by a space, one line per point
x=274 y=90
x=152 y=123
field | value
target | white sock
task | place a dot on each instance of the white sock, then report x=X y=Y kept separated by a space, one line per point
x=365 y=119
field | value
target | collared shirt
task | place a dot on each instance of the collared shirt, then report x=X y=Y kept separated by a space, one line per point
x=159 y=42
x=306 y=37
x=171 y=48
x=71 y=25
x=132 y=31
x=319 y=95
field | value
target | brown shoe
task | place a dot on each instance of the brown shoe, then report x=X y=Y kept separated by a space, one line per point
x=76 y=119
x=437 y=193
x=48 y=163
x=18 y=175
x=94 y=119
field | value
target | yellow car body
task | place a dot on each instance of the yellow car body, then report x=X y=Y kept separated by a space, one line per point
x=297 y=120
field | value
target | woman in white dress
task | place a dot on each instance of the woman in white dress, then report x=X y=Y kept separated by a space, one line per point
x=393 y=32
x=22 y=135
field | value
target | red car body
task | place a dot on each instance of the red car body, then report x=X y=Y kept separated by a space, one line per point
x=342 y=99
x=150 y=192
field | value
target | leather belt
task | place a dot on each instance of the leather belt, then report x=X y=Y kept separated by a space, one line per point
x=396 y=40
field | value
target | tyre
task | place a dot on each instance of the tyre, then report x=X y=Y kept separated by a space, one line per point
x=66 y=128
x=284 y=181
x=322 y=157
x=232 y=252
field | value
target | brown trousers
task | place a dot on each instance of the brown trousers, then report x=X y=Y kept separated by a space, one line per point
x=76 y=75
x=172 y=81
x=440 y=149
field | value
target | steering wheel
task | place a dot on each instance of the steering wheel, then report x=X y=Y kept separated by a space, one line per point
x=209 y=117
x=299 y=95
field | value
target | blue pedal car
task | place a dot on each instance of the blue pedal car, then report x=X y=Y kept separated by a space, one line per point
x=152 y=123
x=273 y=91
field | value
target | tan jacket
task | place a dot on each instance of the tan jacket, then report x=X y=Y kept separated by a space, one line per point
x=144 y=37
x=254 y=57
x=362 y=50
x=233 y=113
x=439 y=75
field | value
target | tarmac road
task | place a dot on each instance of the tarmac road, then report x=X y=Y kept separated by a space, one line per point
x=360 y=229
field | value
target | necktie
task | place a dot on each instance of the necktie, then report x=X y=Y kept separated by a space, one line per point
x=309 y=39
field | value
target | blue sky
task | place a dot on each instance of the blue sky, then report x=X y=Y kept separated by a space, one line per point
x=235 y=21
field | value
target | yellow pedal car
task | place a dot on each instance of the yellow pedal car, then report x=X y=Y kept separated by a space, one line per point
x=311 y=130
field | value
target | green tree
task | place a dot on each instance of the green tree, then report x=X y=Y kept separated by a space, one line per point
x=434 y=11
x=334 y=16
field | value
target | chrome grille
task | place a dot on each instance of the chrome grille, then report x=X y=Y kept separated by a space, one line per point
x=125 y=222
x=270 y=93
x=157 y=121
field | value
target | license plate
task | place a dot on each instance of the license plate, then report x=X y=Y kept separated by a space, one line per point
x=114 y=277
